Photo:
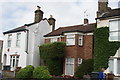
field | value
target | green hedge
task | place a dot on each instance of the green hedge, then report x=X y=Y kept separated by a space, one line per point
x=26 y=72
x=41 y=72
x=85 y=68
x=103 y=49
x=53 y=55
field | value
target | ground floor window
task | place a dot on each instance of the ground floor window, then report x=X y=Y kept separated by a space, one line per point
x=69 y=66
x=111 y=65
x=14 y=59
x=79 y=61
x=118 y=66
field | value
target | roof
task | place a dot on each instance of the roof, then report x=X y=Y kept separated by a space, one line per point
x=76 y=28
x=22 y=28
x=110 y=13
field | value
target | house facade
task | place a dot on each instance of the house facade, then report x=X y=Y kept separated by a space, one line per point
x=79 y=44
x=107 y=17
x=21 y=45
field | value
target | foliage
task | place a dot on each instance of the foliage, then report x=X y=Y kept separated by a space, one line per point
x=103 y=49
x=53 y=54
x=52 y=50
x=55 y=66
x=85 y=68
x=26 y=72
x=41 y=72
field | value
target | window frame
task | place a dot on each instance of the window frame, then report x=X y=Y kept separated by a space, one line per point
x=53 y=40
x=70 y=37
x=80 y=40
x=18 y=39
x=80 y=62
x=9 y=40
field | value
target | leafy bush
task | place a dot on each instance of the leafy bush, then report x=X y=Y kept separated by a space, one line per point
x=55 y=66
x=85 y=68
x=53 y=54
x=103 y=49
x=41 y=72
x=26 y=72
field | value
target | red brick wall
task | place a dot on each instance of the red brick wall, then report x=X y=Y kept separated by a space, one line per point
x=85 y=51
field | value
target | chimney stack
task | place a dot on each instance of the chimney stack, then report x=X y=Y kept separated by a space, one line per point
x=38 y=14
x=86 y=21
x=51 y=21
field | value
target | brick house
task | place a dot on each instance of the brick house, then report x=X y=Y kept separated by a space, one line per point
x=79 y=41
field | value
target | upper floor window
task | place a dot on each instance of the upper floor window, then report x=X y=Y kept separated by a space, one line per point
x=114 y=28
x=18 y=39
x=53 y=40
x=70 y=39
x=9 y=40
x=80 y=40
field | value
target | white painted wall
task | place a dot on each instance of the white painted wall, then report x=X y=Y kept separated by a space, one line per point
x=13 y=49
x=35 y=39
x=36 y=33
x=102 y=23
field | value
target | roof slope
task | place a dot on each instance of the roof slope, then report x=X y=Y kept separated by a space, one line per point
x=22 y=28
x=76 y=28
x=111 y=13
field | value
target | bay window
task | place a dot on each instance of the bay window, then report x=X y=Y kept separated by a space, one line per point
x=53 y=40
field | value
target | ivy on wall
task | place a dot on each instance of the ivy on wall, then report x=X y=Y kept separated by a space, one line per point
x=53 y=55
x=103 y=49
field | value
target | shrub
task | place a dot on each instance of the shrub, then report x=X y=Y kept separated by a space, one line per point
x=26 y=72
x=55 y=66
x=41 y=72
x=85 y=68
x=53 y=54
x=103 y=49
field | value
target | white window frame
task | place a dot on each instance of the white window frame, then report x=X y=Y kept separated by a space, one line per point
x=9 y=40
x=80 y=40
x=80 y=61
x=16 y=58
x=114 y=33
x=53 y=40
x=68 y=37
x=70 y=63
x=18 y=37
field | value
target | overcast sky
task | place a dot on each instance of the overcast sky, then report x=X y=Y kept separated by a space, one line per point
x=15 y=13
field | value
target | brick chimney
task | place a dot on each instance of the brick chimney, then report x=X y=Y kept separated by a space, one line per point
x=86 y=21
x=102 y=7
x=38 y=15
x=51 y=21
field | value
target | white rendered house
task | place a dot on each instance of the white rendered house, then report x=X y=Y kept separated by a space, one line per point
x=107 y=17
x=21 y=45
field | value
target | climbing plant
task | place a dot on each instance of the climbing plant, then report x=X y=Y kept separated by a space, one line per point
x=53 y=55
x=103 y=48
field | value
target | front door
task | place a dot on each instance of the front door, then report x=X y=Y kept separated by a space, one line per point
x=69 y=66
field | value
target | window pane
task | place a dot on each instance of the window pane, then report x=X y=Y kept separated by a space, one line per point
x=70 y=40
x=114 y=36
x=80 y=40
x=114 y=25
x=18 y=39
x=111 y=67
x=69 y=66
x=53 y=40
x=118 y=67
x=13 y=62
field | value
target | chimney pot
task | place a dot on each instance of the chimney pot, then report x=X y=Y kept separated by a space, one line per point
x=86 y=21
